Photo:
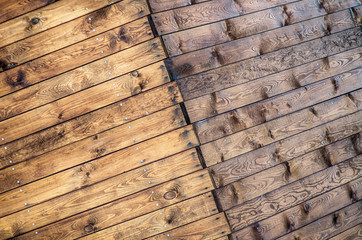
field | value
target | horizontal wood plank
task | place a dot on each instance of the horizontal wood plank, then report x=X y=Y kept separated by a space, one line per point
x=161 y=220
x=102 y=192
x=208 y=228
x=83 y=126
x=282 y=174
x=256 y=137
x=293 y=194
x=161 y=5
x=303 y=213
x=330 y=225
x=246 y=70
x=75 y=56
x=350 y=234
x=74 y=31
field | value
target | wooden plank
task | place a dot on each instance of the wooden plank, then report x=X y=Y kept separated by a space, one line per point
x=72 y=32
x=216 y=33
x=303 y=213
x=29 y=171
x=84 y=151
x=256 y=137
x=12 y=9
x=47 y=17
x=102 y=192
x=330 y=225
x=161 y=220
x=94 y=122
x=121 y=210
x=293 y=194
x=208 y=228
x=282 y=174
x=64 y=85
x=270 y=86
x=234 y=74
x=74 y=56
x=207 y=12
x=350 y=234
x=260 y=44
x=162 y=5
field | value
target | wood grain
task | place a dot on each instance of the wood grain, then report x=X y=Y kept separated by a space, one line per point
x=121 y=210
x=155 y=222
x=302 y=214
x=293 y=194
x=330 y=225
x=75 y=56
x=234 y=74
x=72 y=32
x=81 y=127
x=350 y=234
x=208 y=228
x=102 y=192
x=161 y=5
x=256 y=137
x=282 y=174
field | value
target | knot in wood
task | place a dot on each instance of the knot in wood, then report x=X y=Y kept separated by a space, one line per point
x=34 y=21
x=89 y=228
x=170 y=195
x=134 y=74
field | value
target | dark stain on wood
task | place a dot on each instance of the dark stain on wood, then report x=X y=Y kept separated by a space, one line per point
x=287 y=18
x=122 y=35
x=34 y=21
x=335 y=84
x=325 y=156
x=20 y=80
x=313 y=111
x=287 y=172
x=336 y=219
x=307 y=207
x=217 y=56
x=355 y=139
x=99 y=151
x=230 y=29
x=289 y=224
x=98 y=16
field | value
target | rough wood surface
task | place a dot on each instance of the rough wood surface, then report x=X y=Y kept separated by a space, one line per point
x=162 y=5
x=72 y=32
x=73 y=130
x=293 y=194
x=350 y=234
x=208 y=228
x=75 y=56
x=302 y=214
x=246 y=70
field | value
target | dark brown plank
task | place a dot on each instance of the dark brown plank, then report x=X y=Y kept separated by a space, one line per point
x=163 y=5
x=75 y=55
x=303 y=213
x=234 y=74
x=350 y=234
x=293 y=194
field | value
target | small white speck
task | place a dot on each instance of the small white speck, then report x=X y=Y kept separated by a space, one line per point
x=144 y=170
x=26 y=204
x=137 y=149
x=160 y=213
x=102 y=51
x=2 y=139
x=109 y=73
x=33 y=224
x=18 y=182
x=142 y=161
x=89 y=19
x=13 y=169
x=134 y=139
x=86 y=8
x=153 y=192
x=94 y=30
x=126 y=118
x=129 y=126
x=157 y=204
x=114 y=84
x=36 y=232
x=168 y=235
x=164 y=225
x=120 y=104
x=5 y=148
x=105 y=61
x=97 y=39
x=10 y=161
x=21 y=190
x=117 y=94
x=146 y=113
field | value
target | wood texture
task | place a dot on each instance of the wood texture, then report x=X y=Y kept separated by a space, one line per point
x=278 y=129
x=74 y=56
x=83 y=126
x=234 y=74
x=208 y=228
x=302 y=214
x=293 y=194
x=350 y=234
x=161 y=5
x=72 y=32
x=124 y=209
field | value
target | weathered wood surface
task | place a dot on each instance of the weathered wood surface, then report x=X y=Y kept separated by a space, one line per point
x=270 y=132
x=102 y=192
x=216 y=33
x=161 y=220
x=86 y=125
x=47 y=17
x=123 y=209
x=161 y=5
x=268 y=88
x=293 y=194
x=208 y=228
x=72 y=32
x=246 y=70
x=330 y=225
x=302 y=214
x=350 y=234
x=75 y=55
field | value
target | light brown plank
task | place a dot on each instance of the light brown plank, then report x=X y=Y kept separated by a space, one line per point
x=208 y=228
x=75 y=55
x=303 y=213
x=330 y=225
x=64 y=85
x=282 y=174
x=162 y=5
x=102 y=192
x=350 y=234
x=72 y=32
x=121 y=210
x=256 y=137
x=81 y=127
x=161 y=220
x=234 y=74
x=293 y=194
